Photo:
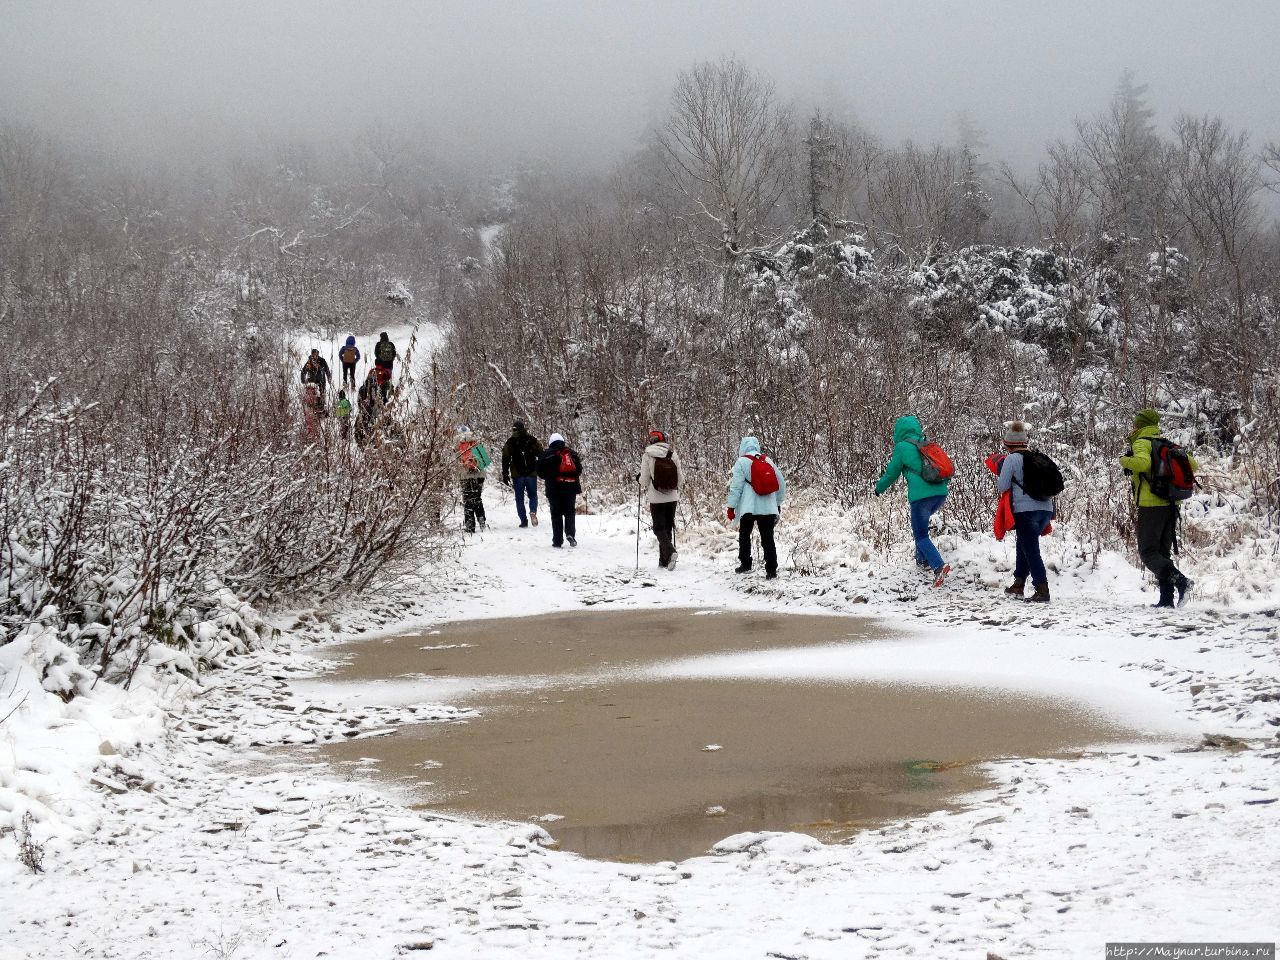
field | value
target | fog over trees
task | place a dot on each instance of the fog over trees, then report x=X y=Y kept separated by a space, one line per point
x=710 y=221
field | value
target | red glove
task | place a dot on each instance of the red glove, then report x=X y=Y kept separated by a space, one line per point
x=730 y=513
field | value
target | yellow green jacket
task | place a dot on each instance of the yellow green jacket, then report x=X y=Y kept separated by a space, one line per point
x=1138 y=463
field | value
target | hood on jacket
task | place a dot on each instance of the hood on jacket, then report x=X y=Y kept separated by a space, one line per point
x=658 y=450
x=907 y=428
x=1146 y=417
x=748 y=447
x=351 y=341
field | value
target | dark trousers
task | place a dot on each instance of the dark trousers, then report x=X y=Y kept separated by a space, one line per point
x=766 y=522
x=563 y=521
x=473 y=503
x=1028 y=526
x=664 y=528
x=1157 y=527
x=349 y=373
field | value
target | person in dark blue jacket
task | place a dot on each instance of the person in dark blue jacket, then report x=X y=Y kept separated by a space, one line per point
x=561 y=469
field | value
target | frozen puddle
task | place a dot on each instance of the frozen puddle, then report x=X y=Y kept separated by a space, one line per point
x=587 y=727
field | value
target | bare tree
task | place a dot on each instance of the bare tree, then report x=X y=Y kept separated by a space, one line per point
x=1216 y=185
x=726 y=146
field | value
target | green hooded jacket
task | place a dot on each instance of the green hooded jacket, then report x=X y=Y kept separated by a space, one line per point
x=906 y=459
x=1138 y=463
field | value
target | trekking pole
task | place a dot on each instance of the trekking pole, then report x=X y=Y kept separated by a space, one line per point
x=637 y=524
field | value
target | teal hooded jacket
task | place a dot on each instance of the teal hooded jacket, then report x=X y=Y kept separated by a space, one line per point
x=742 y=498
x=906 y=459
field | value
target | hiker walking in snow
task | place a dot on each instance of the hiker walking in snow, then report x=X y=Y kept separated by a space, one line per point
x=560 y=467
x=1028 y=482
x=756 y=490
x=473 y=462
x=368 y=408
x=1162 y=474
x=520 y=470
x=316 y=371
x=927 y=484
x=384 y=359
x=659 y=480
x=349 y=356
x=342 y=413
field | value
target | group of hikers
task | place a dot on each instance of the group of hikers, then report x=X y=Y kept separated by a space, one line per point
x=372 y=397
x=1027 y=482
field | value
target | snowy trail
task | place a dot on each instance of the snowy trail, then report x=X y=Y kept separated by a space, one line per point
x=206 y=846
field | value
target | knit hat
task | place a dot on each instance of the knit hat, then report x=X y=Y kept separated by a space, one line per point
x=657 y=436
x=1016 y=434
x=517 y=425
x=1146 y=418
x=554 y=438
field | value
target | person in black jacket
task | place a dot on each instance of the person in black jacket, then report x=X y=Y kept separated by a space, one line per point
x=520 y=470
x=316 y=370
x=561 y=469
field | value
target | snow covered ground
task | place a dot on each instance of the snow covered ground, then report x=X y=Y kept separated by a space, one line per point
x=191 y=839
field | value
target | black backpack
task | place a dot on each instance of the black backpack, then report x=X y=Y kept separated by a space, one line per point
x=666 y=475
x=524 y=455
x=384 y=351
x=1041 y=478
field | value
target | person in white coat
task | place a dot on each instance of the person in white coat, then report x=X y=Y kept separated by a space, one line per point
x=659 y=480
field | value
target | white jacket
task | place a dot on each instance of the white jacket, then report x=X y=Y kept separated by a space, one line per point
x=652 y=452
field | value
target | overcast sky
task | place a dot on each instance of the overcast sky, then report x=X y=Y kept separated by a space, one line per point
x=542 y=77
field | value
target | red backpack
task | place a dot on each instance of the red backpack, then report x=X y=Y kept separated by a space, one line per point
x=1171 y=475
x=567 y=466
x=935 y=465
x=764 y=479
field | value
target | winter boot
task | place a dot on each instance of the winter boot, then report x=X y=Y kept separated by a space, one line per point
x=1017 y=587
x=524 y=523
x=671 y=563
x=1183 y=584
x=1041 y=595
x=1166 y=593
x=771 y=575
x=941 y=575
x=533 y=518
x=743 y=568
x=572 y=541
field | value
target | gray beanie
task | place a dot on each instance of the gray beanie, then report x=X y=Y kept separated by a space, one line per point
x=1016 y=433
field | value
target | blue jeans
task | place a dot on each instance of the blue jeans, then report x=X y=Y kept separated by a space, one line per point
x=1028 y=527
x=921 y=511
x=522 y=486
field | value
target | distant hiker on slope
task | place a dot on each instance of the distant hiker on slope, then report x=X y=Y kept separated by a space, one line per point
x=756 y=490
x=1163 y=474
x=368 y=408
x=561 y=468
x=349 y=356
x=384 y=359
x=928 y=472
x=473 y=462
x=659 y=481
x=1028 y=482
x=316 y=371
x=520 y=470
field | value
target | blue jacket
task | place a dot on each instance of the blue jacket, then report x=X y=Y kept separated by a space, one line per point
x=742 y=498
x=351 y=342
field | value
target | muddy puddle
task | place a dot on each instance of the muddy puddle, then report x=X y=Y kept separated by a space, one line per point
x=614 y=764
